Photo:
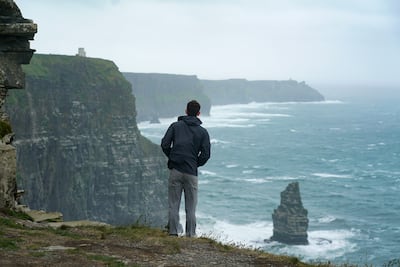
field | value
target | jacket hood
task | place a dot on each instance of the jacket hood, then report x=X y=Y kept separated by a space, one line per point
x=190 y=120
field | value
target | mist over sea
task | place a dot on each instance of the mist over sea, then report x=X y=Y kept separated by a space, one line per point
x=345 y=156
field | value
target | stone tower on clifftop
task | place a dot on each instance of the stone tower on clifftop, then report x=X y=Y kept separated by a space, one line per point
x=290 y=218
x=15 y=33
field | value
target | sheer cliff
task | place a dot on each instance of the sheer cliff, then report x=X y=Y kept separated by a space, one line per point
x=78 y=146
x=166 y=95
x=242 y=91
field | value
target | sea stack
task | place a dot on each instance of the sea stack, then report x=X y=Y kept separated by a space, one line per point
x=290 y=218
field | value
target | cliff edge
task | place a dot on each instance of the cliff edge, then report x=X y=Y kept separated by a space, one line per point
x=78 y=146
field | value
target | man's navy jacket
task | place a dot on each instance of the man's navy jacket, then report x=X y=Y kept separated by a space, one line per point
x=186 y=144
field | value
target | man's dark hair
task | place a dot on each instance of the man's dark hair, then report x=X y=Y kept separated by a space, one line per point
x=193 y=108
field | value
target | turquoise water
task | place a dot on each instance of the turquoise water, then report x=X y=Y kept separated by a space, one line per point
x=345 y=155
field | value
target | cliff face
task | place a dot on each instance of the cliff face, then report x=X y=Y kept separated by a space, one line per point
x=15 y=33
x=78 y=147
x=241 y=91
x=165 y=95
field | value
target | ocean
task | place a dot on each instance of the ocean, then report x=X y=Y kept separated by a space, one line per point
x=345 y=156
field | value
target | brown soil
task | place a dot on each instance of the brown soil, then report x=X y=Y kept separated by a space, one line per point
x=24 y=243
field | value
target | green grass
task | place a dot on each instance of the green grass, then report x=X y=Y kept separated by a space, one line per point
x=16 y=214
x=108 y=260
x=7 y=244
x=156 y=237
x=64 y=231
x=5 y=222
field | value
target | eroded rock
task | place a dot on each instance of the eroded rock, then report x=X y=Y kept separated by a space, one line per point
x=290 y=218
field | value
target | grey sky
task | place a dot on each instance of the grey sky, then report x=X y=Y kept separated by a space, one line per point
x=330 y=41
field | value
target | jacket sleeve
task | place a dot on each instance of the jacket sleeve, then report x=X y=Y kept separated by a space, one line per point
x=205 y=149
x=166 y=141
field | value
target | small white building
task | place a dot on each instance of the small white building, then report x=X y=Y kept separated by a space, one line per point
x=81 y=52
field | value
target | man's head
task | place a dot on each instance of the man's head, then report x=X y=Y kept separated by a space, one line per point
x=193 y=108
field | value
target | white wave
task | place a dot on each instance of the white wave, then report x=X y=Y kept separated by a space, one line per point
x=257 y=180
x=281 y=178
x=207 y=173
x=229 y=166
x=204 y=181
x=247 y=171
x=242 y=116
x=331 y=175
x=329 y=160
x=323 y=245
x=330 y=102
x=326 y=219
x=228 y=125
x=216 y=141
x=249 y=235
x=268 y=179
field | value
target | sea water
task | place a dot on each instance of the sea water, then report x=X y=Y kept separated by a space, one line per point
x=345 y=156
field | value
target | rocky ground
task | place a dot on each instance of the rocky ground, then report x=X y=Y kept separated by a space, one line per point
x=27 y=243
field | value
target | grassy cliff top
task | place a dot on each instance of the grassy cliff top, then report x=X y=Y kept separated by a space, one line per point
x=24 y=243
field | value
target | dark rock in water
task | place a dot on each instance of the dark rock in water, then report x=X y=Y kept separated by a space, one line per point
x=290 y=218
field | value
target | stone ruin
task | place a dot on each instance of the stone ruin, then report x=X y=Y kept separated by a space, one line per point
x=15 y=33
x=290 y=218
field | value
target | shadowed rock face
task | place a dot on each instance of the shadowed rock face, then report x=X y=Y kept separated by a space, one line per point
x=79 y=149
x=15 y=33
x=290 y=218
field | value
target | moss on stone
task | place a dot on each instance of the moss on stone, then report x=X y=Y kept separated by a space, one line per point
x=5 y=128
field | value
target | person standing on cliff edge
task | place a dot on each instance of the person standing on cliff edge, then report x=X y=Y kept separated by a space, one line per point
x=187 y=146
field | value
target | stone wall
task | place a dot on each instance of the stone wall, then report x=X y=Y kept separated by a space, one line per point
x=15 y=33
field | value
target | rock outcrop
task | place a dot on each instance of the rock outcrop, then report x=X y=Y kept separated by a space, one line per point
x=15 y=33
x=290 y=218
x=242 y=91
x=165 y=95
x=79 y=149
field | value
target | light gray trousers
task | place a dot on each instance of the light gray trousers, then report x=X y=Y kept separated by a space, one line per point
x=187 y=183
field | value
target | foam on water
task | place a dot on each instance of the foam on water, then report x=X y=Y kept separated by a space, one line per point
x=214 y=141
x=249 y=235
x=345 y=160
x=229 y=166
x=207 y=173
x=323 y=245
x=257 y=180
x=326 y=219
x=332 y=175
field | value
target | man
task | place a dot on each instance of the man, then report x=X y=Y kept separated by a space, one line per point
x=187 y=146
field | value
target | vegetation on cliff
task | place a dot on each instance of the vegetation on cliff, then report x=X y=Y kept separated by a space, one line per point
x=5 y=128
x=242 y=91
x=166 y=95
x=24 y=243
x=78 y=146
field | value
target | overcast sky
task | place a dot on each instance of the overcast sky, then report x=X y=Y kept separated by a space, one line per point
x=317 y=41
